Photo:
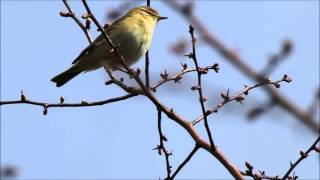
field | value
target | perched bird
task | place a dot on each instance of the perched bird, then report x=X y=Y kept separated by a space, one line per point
x=132 y=32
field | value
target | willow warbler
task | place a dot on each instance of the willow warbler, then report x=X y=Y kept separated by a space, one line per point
x=132 y=32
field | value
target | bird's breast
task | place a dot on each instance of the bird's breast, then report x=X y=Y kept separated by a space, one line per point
x=133 y=41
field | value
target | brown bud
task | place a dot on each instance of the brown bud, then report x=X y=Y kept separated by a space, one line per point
x=204 y=99
x=249 y=166
x=239 y=99
x=193 y=88
x=88 y=23
x=108 y=82
x=190 y=55
x=66 y=14
x=191 y=28
x=225 y=96
x=153 y=89
x=138 y=71
x=215 y=67
x=164 y=75
x=85 y=16
x=164 y=138
x=22 y=97
x=45 y=109
x=303 y=154
x=246 y=87
x=84 y=102
x=203 y=70
x=61 y=99
x=177 y=79
x=286 y=78
x=277 y=85
x=184 y=66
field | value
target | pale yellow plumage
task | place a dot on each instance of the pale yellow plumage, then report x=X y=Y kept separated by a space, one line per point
x=132 y=32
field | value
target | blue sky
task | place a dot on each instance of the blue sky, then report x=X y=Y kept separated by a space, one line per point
x=116 y=140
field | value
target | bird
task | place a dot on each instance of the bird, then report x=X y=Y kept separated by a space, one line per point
x=132 y=33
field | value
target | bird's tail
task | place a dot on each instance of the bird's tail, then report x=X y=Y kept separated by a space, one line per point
x=66 y=76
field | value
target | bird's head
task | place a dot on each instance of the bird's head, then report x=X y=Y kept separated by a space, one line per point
x=146 y=13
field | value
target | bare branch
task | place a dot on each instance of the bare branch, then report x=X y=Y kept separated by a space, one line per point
x=147 y=60
x=77 y=20
x=239 y=97
x=161 y=148
x=178 y=76
x=262 y=175
x=193 y=56
x=259 y=175
x=147 y=63
x=303 y=155
x=194 y=150
x=83 y=103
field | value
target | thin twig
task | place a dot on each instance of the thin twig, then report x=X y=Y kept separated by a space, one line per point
x=239 y=97
x=147 y=70
x=178 y=76
x=161 y=148
x=62 y=104
x=199 y=87
x=147 y=60
x=194 y=150
x=262 y=175
x=77 y=20
x=303 y=155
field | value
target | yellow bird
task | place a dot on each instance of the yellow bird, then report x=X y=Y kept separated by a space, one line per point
x=132 y=32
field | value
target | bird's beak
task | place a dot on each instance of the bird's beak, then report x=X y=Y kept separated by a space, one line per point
x=161 y=18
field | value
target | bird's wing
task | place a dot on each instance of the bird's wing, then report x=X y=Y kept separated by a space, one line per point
x=89 y=48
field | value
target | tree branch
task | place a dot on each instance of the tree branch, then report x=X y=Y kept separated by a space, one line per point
x=161 y=148
x=303 y=155
x=147 y=63
x=262 y=175
x=83 y=103
x=77 y=20
x=202 y=99
x=239 y=97
x=194 y=150
x=178 y=76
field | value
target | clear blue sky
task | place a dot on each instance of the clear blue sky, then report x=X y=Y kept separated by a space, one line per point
x=115 y=141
